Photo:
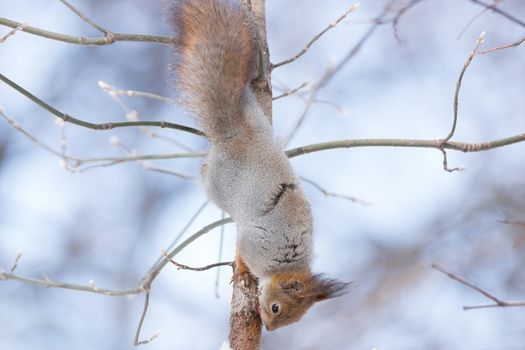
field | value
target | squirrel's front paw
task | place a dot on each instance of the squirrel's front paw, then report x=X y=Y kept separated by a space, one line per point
x=242 y=274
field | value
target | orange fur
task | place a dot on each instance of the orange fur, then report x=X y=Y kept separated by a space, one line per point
x=214 y=37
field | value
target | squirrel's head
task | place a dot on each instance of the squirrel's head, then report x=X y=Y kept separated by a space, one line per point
x=286 y=297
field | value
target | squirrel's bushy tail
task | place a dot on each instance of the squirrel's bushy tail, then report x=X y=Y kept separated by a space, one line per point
x=214 y=61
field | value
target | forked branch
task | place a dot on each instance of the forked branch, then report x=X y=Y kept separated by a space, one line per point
x=497 y=302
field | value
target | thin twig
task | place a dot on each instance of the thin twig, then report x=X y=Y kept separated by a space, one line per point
x=409 y=143
x=117 y=143
x=81 y=40
x=15 y=264
x=144 y=287
x=136 y=340
x=331 y=72
x=160 y=264
x=46 y=282
x=324 y=146
x=300 y=120
x=502 y=47
x=14 y=124
x=333 y=194
x=133 y=115
x=221 y=246
x=497 y=302
x=103 y=126
x=188 y=224
x=474 y=19
x=202 y=268
x=450 y=134
x=136 y=158
x=21 y=26
x=512 y=222
x=445 y=163
x=111 y=89
x=74 y=164
x=399 y=14
x=317 y=37
x=500 y=12
x=473 y=53
x=291 y=92
x=85 y=18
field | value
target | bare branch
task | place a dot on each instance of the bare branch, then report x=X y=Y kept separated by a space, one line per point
x=46 y=282
x=474 y=19
x=117 y=143
x=399 y=14
x=317 y=37
x=411 y=143
x=14 y=124
x=221 y=246
x=333 y=194
x=74 y=164
x=133 y=115
x=112 y=90
x=81 y=40
x=21 y=26
x=202 y=268
x=160 y=264
x=300 y=120
x=497 y=302
x=15 y=264
x=136 y=340
x=512 y=222
x=299 y=151
x=502 y=47
x=293 y=91
x=494 y=8
x=103 y=126
x=85 y=18
x=140 y=157
x=445 y=163
x=144 y=287
x=331 y=72
x=479 y=41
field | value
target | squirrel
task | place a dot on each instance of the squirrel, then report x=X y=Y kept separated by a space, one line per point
x=246 y=172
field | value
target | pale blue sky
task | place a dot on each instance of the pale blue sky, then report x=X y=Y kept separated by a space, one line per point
x=109 y=224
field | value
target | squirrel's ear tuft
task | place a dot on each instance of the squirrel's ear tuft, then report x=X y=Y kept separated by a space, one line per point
x=292 y=287
x=326 y=288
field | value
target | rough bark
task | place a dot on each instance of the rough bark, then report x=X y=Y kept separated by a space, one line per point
x=245 y=322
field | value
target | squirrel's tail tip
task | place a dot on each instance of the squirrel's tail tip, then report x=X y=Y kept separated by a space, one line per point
x=214 y=59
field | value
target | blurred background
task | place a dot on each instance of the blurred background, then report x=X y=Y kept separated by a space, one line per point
x=108 y=224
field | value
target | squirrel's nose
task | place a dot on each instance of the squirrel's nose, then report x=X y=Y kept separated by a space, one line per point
x=269 y=328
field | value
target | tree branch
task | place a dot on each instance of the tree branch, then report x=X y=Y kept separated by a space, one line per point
x=333 y=194
x=202 y=268
x=103 y=126
x=291 y=92
x=317 y=37
x=497 y=302
x=331 y=72
x=81 y=40
x=500 y=12
x=12 y=32
x=467 y=63
x=512 y=222
x=46 y=282
x=85 y=18
x=144 y=287
x=401 y=13
x=410 y=143
x=159 y=265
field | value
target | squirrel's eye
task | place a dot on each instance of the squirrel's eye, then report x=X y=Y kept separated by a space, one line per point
x=276 y=308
